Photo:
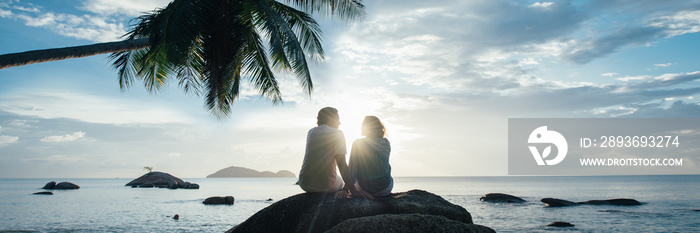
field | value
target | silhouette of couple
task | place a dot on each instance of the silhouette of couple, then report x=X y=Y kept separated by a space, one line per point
x=368 y=173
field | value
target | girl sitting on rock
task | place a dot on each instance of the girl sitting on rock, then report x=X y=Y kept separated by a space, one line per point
x=369 y=159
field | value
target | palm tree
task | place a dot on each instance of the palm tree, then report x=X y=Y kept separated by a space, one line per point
x=211 y=46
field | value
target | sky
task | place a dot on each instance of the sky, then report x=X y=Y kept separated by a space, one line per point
x=443 y=76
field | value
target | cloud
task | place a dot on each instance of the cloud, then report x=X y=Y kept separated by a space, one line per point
x=541 y=4
x=678 y=109
x=632 y=78
x=131 y=8
x=87 y=27
x=64 y=138
x=595 y=48
x=6 y=140
x=105 y=23
x=682 y=22
x=49 y=103
x=28 y=9
x=663 y=65
x=5 y=13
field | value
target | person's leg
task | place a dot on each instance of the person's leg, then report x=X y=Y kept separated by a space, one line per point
x=338 y=184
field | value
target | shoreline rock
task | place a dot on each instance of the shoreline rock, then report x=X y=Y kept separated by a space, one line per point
x=317 y=212
x=43 y=193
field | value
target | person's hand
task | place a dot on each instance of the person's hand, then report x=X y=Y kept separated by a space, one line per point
x=341 y=194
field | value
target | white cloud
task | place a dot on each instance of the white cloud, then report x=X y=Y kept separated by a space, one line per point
x=668 y=77
x=99 y=27
x=5 y=13
x=610 y=74
x=28 y=9
x=682 y=22
x=55 y=158
x=633 y=78
x=64 y=138
x=541 y=4
x=663 y=65
x=6 y=140
x=528 y=61
x=131 y=8
x=88 y=27
x=90 y=108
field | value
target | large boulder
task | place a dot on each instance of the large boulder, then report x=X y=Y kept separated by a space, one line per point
x=66 y=185
x=155 y=178
x=317 y=212
x=501 y=198
x=406 y=223
x=227 y=200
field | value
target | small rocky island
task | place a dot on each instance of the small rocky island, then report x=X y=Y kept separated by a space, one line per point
x=161 y=180
x=234 y=171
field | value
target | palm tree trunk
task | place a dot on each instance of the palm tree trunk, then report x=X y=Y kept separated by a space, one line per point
x=45 y=55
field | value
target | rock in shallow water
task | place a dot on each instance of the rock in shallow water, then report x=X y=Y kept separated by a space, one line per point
x=315 y=212
x=501 y=197
x=49 y=185
x=560 y=224
x=155 y=178
x=66 y=185
x=618 y=201
x=192 y=186
x=554 y=202
x=227 y=200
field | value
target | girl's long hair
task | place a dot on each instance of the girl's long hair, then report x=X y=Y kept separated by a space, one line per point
x=372 y=127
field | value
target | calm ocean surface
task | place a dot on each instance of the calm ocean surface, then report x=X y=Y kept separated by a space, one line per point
x=106 y=205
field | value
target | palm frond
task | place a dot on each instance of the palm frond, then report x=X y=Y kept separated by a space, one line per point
x=343 y=9
x=284 y=44
x=257 y=67
x=306 y=28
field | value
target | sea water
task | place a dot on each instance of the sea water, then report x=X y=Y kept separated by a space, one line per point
x=106 y=205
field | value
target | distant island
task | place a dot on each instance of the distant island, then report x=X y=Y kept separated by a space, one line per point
x=234 y=171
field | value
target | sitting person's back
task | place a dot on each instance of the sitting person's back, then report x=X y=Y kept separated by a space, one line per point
x=369 y=159
x=318 y=171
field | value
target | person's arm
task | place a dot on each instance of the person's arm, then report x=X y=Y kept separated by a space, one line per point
x=347 y=178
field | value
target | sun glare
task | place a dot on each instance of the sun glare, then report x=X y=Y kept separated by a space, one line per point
x=351 y=117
